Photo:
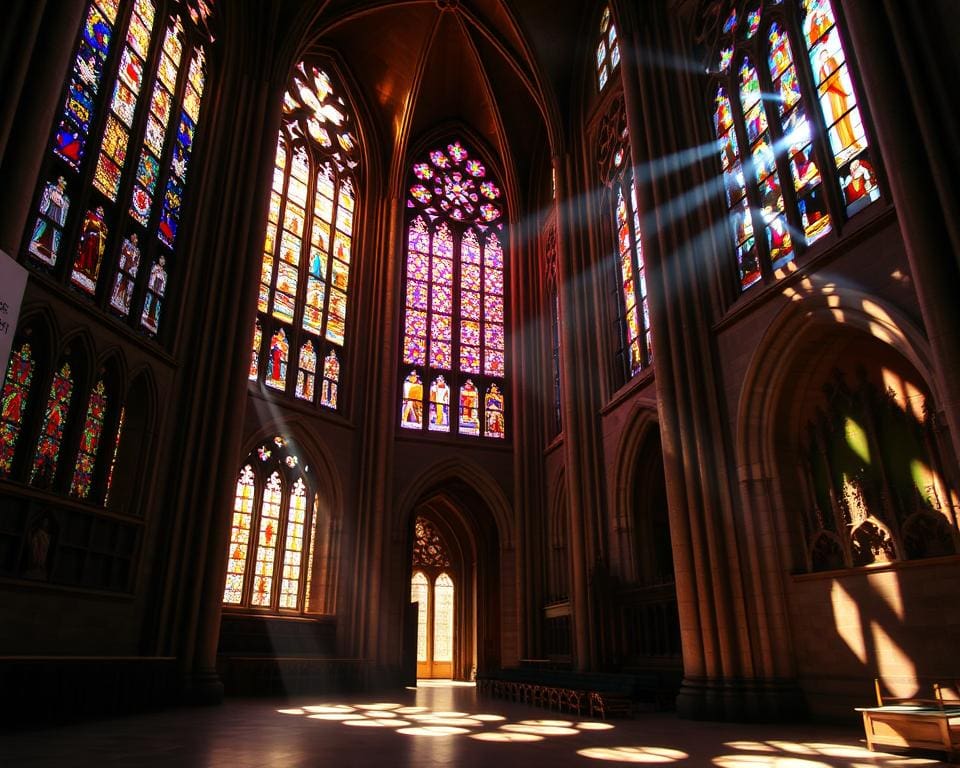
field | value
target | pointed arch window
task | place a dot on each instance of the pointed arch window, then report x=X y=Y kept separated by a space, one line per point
x=454 y=315
x=635 y=345
x=131 y=108
x=277 y=532
x=608 y=49
x=797 y=163
x=57 y=431
x=305 y=272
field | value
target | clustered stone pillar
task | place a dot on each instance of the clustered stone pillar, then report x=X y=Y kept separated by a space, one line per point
x=579 y=405
x=724 y=616
x=220 y=302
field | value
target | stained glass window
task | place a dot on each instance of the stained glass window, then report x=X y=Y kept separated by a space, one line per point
x=113 y=458
x=307 y=373
x=276 y=500
x=293 y=546
x=420 y=594
x=239 y=536
x=263 y=575
x=608 y=49
x=454 y=316
x=305 y=268
x=115 y=131
x=443 y=618
x=54 y=421
x=767 y=133
x=13 y=406
x=331 y=377
x=635 y=350
x=89 y=442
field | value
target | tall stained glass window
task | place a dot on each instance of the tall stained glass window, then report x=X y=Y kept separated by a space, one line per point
x=793 y=148
x=13 y=405
x=305 y=272
x=109 y=200
x=453 y=345
x=635 y=348
x=432 y=587
x=608 y=49
x=90 y=442
x=56 y=415
x=274 y=532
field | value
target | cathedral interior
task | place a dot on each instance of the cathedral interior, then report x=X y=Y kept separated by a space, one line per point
x=373 y=341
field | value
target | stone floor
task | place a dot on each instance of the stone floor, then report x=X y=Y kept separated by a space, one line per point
x=436 y=724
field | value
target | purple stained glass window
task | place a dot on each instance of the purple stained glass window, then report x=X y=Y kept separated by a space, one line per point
x=454 y=292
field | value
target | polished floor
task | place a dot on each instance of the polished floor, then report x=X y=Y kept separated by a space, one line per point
x=438 y=724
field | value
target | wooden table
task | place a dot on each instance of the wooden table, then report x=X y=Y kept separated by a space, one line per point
x=920 y=727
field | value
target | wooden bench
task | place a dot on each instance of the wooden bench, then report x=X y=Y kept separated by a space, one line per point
x=932 y=724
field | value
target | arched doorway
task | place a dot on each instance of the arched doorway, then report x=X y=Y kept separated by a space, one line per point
x=453 y=585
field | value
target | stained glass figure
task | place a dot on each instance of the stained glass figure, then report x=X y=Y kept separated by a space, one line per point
x=493 y=410
x=93 y=242
x=89 y=442
x=54 y=422
x=277 y=362
x=267 y=539
x=307 y=372
x=293 y=546
x=156 y=287
x=124 y=281
x=13 y=402
x=469 y=409
x=411 y=414
x=48 y=229
x=439 y=405
x=331 y=380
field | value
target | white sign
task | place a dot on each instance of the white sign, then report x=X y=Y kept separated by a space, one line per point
x=13 y=280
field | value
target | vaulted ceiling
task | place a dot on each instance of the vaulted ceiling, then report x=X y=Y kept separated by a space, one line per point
x=505 y=69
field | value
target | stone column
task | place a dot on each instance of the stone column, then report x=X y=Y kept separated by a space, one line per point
x=908 y=68
x=580 y=367
x=723 y=605
x=222 y=259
